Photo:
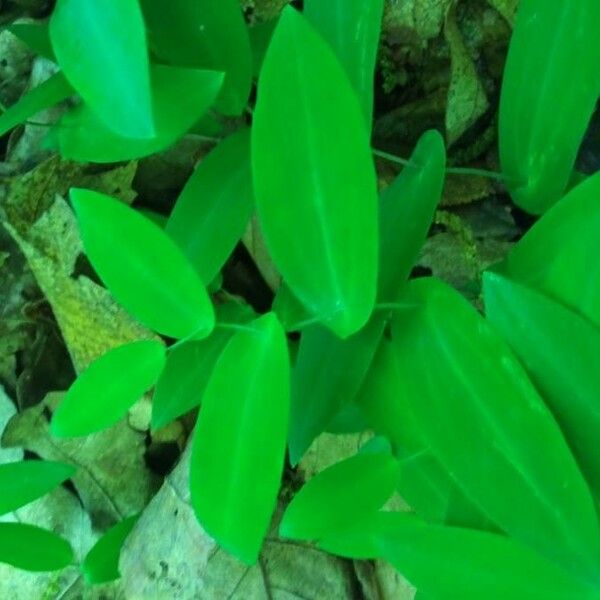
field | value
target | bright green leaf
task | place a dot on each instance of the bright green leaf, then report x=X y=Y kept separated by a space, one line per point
x=208 y=35
x=142 y=267
x=486 y=424
x=314 y=177
x=260 y=37
x=549 y=92
x=555 y=255
x=560 y=351
x=106 y=390
x=340 y=495
x=351 y=28
x=36 y=36
x=181 y=97
x=329 y=372
x=239 y=443
x=24 y=481
x=215 y=206
x=101 y=563
x=101 y=47
x=423 y=483
x=32 y=548
x=406 y=211
x=47 y=94
x=184 y=379
x=447 y=563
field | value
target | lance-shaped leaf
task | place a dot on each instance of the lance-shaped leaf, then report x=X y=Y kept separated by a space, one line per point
x=32 y=548
x=446 y=563
x=351 y=28
x=215 y=206
x=552 y=62
x=425 y=485
x=24 y=481
x=101 y=563
x=180 y=96
x=329 y=372
x=340 y=495
x=45 y=95
x=185 y=377
x=239 y=442
x=406 y=211
x=107 y=389
x=486 y=424
x=142 y=267
x=204 y=34
x=560 y=351
x=557 y=255
x=101 y=47
x=316 y=196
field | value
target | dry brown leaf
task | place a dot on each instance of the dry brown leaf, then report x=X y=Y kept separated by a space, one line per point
x=460 y=190
x=168 y=555
x=467 y=100
x=424 y=17
x=112 y=479
x=254 y=242
x=507 y=8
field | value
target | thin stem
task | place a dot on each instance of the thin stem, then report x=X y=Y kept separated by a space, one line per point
x=449 y=170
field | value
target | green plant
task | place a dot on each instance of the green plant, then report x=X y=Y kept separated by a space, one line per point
x=488 y=425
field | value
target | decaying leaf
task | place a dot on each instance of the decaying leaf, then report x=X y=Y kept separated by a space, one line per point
x=467 y=100
x=424 y=17
x=112 y=479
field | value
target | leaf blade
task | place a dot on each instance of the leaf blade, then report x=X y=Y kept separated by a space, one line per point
x=106 y=37
x=24 y=481
x=141 y=263
x=105 y=391
x=329 y=259
x=239 y=443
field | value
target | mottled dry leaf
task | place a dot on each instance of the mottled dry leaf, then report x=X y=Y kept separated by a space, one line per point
x=168 y=555
x=507 y=8
x=465 y=189
x=424 y=17
x=45 y=229
x=112 y=479
x=467 y=100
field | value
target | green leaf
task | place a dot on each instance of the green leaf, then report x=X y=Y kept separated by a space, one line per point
x=446 y=563
x=316 y=197
x=106 y=390
x=215 y=206
x=24 y=481
x=327 y=374
x=101 y=563
x=204 y=34
x=239 y=443
x=47 y=94
x=32 y=548
x=554 y=256
x=180 y=97
x=486 y=424
x=289 y=310
x=560 y=351
x=182 y=383
x=340 y=495
x=36 y=36
x=423 y=483
x=352 y=29
x=552 y=62
x=406 y=211
x=101 y=47
x=142 y=267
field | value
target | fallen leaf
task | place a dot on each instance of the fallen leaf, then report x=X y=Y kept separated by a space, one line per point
x=467 y=100
x=112 y=479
